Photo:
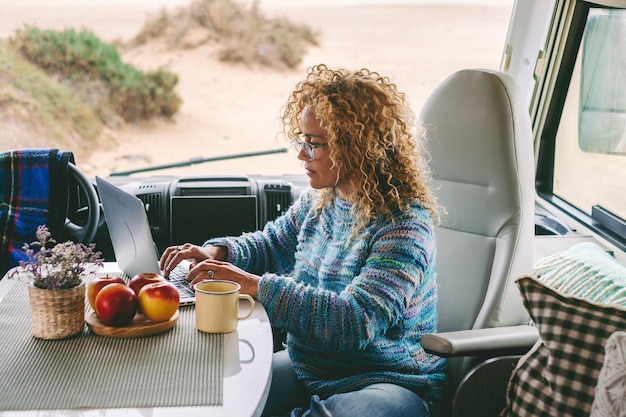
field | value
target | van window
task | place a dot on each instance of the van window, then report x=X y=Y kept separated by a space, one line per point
x=602 y=123
x=590 y=144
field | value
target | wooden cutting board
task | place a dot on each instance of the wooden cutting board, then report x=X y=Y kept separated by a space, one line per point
x=139 y=327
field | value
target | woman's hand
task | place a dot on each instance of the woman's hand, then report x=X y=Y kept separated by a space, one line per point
x=214 y=269
x=173 y=255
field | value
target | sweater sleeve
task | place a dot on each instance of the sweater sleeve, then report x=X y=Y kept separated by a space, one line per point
x=272 y=249
x=383 y=297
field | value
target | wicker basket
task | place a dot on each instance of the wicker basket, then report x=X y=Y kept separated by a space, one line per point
x=57 y=314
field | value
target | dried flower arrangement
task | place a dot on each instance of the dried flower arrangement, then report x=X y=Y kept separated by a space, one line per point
x=56 y=266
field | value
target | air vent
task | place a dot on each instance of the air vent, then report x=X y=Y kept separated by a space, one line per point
x=148 y=187
x=277 y=199
x=154 y=208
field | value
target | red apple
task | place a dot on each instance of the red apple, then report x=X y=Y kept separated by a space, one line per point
x=116 y=305
x=137 y=282
x=94 y=286
x=159 y=301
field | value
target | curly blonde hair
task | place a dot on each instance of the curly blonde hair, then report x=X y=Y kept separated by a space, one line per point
x=372 y=140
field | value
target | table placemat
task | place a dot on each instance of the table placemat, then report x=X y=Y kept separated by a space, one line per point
x=181 y=367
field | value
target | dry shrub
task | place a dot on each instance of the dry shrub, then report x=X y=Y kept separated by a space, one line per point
x=153 y=28
x=220 y=16
x=246 y=35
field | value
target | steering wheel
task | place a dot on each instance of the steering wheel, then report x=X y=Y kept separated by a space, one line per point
x=86 y=230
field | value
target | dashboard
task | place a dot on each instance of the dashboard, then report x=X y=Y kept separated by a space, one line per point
x=195 y=208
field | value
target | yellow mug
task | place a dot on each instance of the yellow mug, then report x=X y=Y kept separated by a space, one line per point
x=217 y=306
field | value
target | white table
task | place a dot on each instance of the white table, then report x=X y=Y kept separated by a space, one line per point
x=247 y=374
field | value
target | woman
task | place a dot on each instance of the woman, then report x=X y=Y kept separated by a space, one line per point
x=348 y=271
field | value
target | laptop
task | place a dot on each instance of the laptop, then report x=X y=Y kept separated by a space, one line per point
x=134 y=248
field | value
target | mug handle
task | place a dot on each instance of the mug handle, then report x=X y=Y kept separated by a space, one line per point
x=251 y=301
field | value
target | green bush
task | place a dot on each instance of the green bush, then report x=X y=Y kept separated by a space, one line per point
x=41 y=109
x=81 y=56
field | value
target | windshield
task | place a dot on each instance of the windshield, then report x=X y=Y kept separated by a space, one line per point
x=230 y=105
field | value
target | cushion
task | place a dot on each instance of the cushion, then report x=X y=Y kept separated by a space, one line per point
x=558 y=376
x=610 y=398
x=585 y=270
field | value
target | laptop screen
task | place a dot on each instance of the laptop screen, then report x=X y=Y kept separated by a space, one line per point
x=196 y=219
x=128 y=227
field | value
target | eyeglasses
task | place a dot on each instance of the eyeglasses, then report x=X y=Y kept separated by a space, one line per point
x=308 y=148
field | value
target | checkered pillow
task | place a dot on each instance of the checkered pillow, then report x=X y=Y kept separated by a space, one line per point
x=559 y=374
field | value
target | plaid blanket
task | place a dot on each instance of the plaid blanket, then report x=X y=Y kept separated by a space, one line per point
x=33 y=191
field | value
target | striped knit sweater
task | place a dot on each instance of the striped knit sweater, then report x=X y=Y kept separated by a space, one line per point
x=354 y=309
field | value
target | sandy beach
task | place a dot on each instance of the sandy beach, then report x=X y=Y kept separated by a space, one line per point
x=229 y=109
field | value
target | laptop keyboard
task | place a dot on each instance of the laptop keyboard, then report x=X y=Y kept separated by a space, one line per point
x=177 y=277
